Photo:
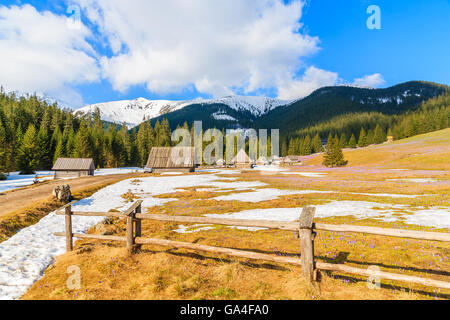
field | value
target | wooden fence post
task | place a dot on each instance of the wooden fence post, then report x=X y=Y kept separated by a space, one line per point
x=138 y=225
x=307 y=242
x=69 y=234
x=130 y=231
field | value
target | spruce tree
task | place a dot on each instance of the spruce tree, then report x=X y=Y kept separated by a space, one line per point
x=292 y=146
x=43 y=141
x=352 y=142
x=343 y=142
x=317 y=144
x=370 y=137
x=334 y=156
x=83 y=142
x=29 y=151
x=379 y=135
x=307 y=147
x=362 y=142
x=3 y=148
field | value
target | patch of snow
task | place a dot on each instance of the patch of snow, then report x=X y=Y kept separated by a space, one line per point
x=192 y=229
x=172 y=173
x=306 y=174
x=15 y=180
x=113 y=171
x=222 y=116
x=432 y=217
x=270 y=168
x=256 y=196
x=420 y=180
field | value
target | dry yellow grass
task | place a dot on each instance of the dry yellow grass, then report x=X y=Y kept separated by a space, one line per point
x=430 y=151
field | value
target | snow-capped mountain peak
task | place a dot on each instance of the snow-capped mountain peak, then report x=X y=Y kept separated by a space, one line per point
x=134 y=112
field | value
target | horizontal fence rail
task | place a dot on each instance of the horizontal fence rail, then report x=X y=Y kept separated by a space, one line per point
x=305 y=227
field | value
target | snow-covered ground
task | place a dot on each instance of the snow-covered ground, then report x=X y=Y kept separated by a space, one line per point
x=306 y=174
x=107 y=172
x=15 y=181
x=25 y=256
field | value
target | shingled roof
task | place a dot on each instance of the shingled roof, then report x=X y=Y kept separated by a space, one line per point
x=73 y=164
x=242 y=157
x=167 y=157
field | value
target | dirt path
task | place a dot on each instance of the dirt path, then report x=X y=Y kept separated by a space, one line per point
x=21 y=198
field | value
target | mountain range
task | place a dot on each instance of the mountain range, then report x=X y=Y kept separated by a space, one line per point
x=134 y=112
x=261 y=112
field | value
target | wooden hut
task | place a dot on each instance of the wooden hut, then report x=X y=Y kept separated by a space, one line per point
x=262 y=161
x=220 y=163
x=242 y=160
x=276 y=160
x=286 y=161
x=294 y=159
x=73 y=168
x=178 y=159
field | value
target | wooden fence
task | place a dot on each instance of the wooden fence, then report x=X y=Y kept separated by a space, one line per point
x=305 y=227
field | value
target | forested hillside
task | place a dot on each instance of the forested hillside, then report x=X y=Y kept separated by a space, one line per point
x=33 y=134
x=363 y=129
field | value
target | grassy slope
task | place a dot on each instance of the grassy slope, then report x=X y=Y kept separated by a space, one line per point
x=430 y=151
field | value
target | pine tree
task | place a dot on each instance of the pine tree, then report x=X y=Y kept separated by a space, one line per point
x=29 y=151
x=307 y=148
x=43 y=142
x=3 y=148
x=362 y=142
x=317 y=144
x=292 y=147
x=83 y=142
x=334 y=156
x=125 y=136
x=59 y=150
x=343 y=142
x=352 y=142
x=370 y=137
x=284 y=148
x=379 y=135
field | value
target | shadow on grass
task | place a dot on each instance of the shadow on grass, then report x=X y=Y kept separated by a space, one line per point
x=343 y=257
x=172 y=251
x=354 y=280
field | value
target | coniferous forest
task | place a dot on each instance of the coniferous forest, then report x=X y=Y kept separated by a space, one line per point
x=363 y=129
x=33 y=133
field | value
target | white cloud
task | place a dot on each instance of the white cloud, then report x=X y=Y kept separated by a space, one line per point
x=42 y=52
x=218 y=46
x=375 y=80
x=312 y=80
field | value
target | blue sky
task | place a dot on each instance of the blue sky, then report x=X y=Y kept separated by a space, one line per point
x=216 y=54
